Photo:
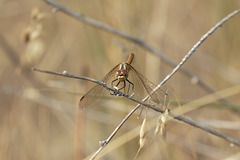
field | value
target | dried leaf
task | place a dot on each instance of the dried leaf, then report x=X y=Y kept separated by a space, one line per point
x=158 y=125
x=143 y=134
x=36 y=15
x=164 y=117
x=163 y=130
x=33 y=53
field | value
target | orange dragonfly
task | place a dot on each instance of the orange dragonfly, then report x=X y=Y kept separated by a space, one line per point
x=126 y=79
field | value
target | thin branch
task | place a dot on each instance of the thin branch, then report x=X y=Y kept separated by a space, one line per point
x=155 y=108
x=136 y=40
x=65 y=74
x=196 y=46
x=104 y=143
x=169 y=61
x=178 y=117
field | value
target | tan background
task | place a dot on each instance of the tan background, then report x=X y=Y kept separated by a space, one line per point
x=39 y=118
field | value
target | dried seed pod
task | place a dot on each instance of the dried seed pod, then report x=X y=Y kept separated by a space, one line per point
x=143 y=134
x=161 y=124
x=35 y=46
x=33 y=53
x=164 y=118
x=37 y=15
x=157 y=129
x=163 y=130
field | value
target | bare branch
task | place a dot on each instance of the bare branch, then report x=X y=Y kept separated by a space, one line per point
x=146 y=46
x=153 y=107
x=104 y=143
x=65 y=74
x=136 y=40
x=195 y=47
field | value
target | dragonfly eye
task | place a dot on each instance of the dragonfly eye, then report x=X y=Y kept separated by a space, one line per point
x=118 y=73
x=121 y=73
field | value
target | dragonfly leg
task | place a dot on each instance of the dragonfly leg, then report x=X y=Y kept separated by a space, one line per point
x=128 y=88
x=114 y=86
x=114 y=81
x=125 y=88
x=124 y=85
x=117 y=85
x=130 y=83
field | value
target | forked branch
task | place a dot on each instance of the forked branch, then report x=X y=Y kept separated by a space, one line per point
x=136 y=40
x=153 y=50
x=153 y=107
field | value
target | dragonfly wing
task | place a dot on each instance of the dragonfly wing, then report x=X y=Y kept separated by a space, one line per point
x=158 y=96
x=91 y=96
x=98 y=94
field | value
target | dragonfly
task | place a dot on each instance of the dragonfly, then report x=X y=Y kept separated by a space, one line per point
x=126 y=79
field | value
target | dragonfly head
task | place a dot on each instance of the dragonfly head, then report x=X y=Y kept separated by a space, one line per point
x=122 y=75
x=122 y=72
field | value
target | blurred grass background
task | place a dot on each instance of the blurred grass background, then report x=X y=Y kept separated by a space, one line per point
x=39 y=118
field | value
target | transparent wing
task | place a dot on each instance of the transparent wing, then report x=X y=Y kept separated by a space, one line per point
x=160 y=96
x=135 y=83
x=98 y=94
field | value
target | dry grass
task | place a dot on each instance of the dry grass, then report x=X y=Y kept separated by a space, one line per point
x=39 y=118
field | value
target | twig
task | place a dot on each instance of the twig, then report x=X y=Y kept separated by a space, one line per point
x=136 y=40
x=224 y=93
x=113 y=133
x=155 y=108
x=166 y=59
x=115 y=90
x=195 y=47
x=65 y=74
